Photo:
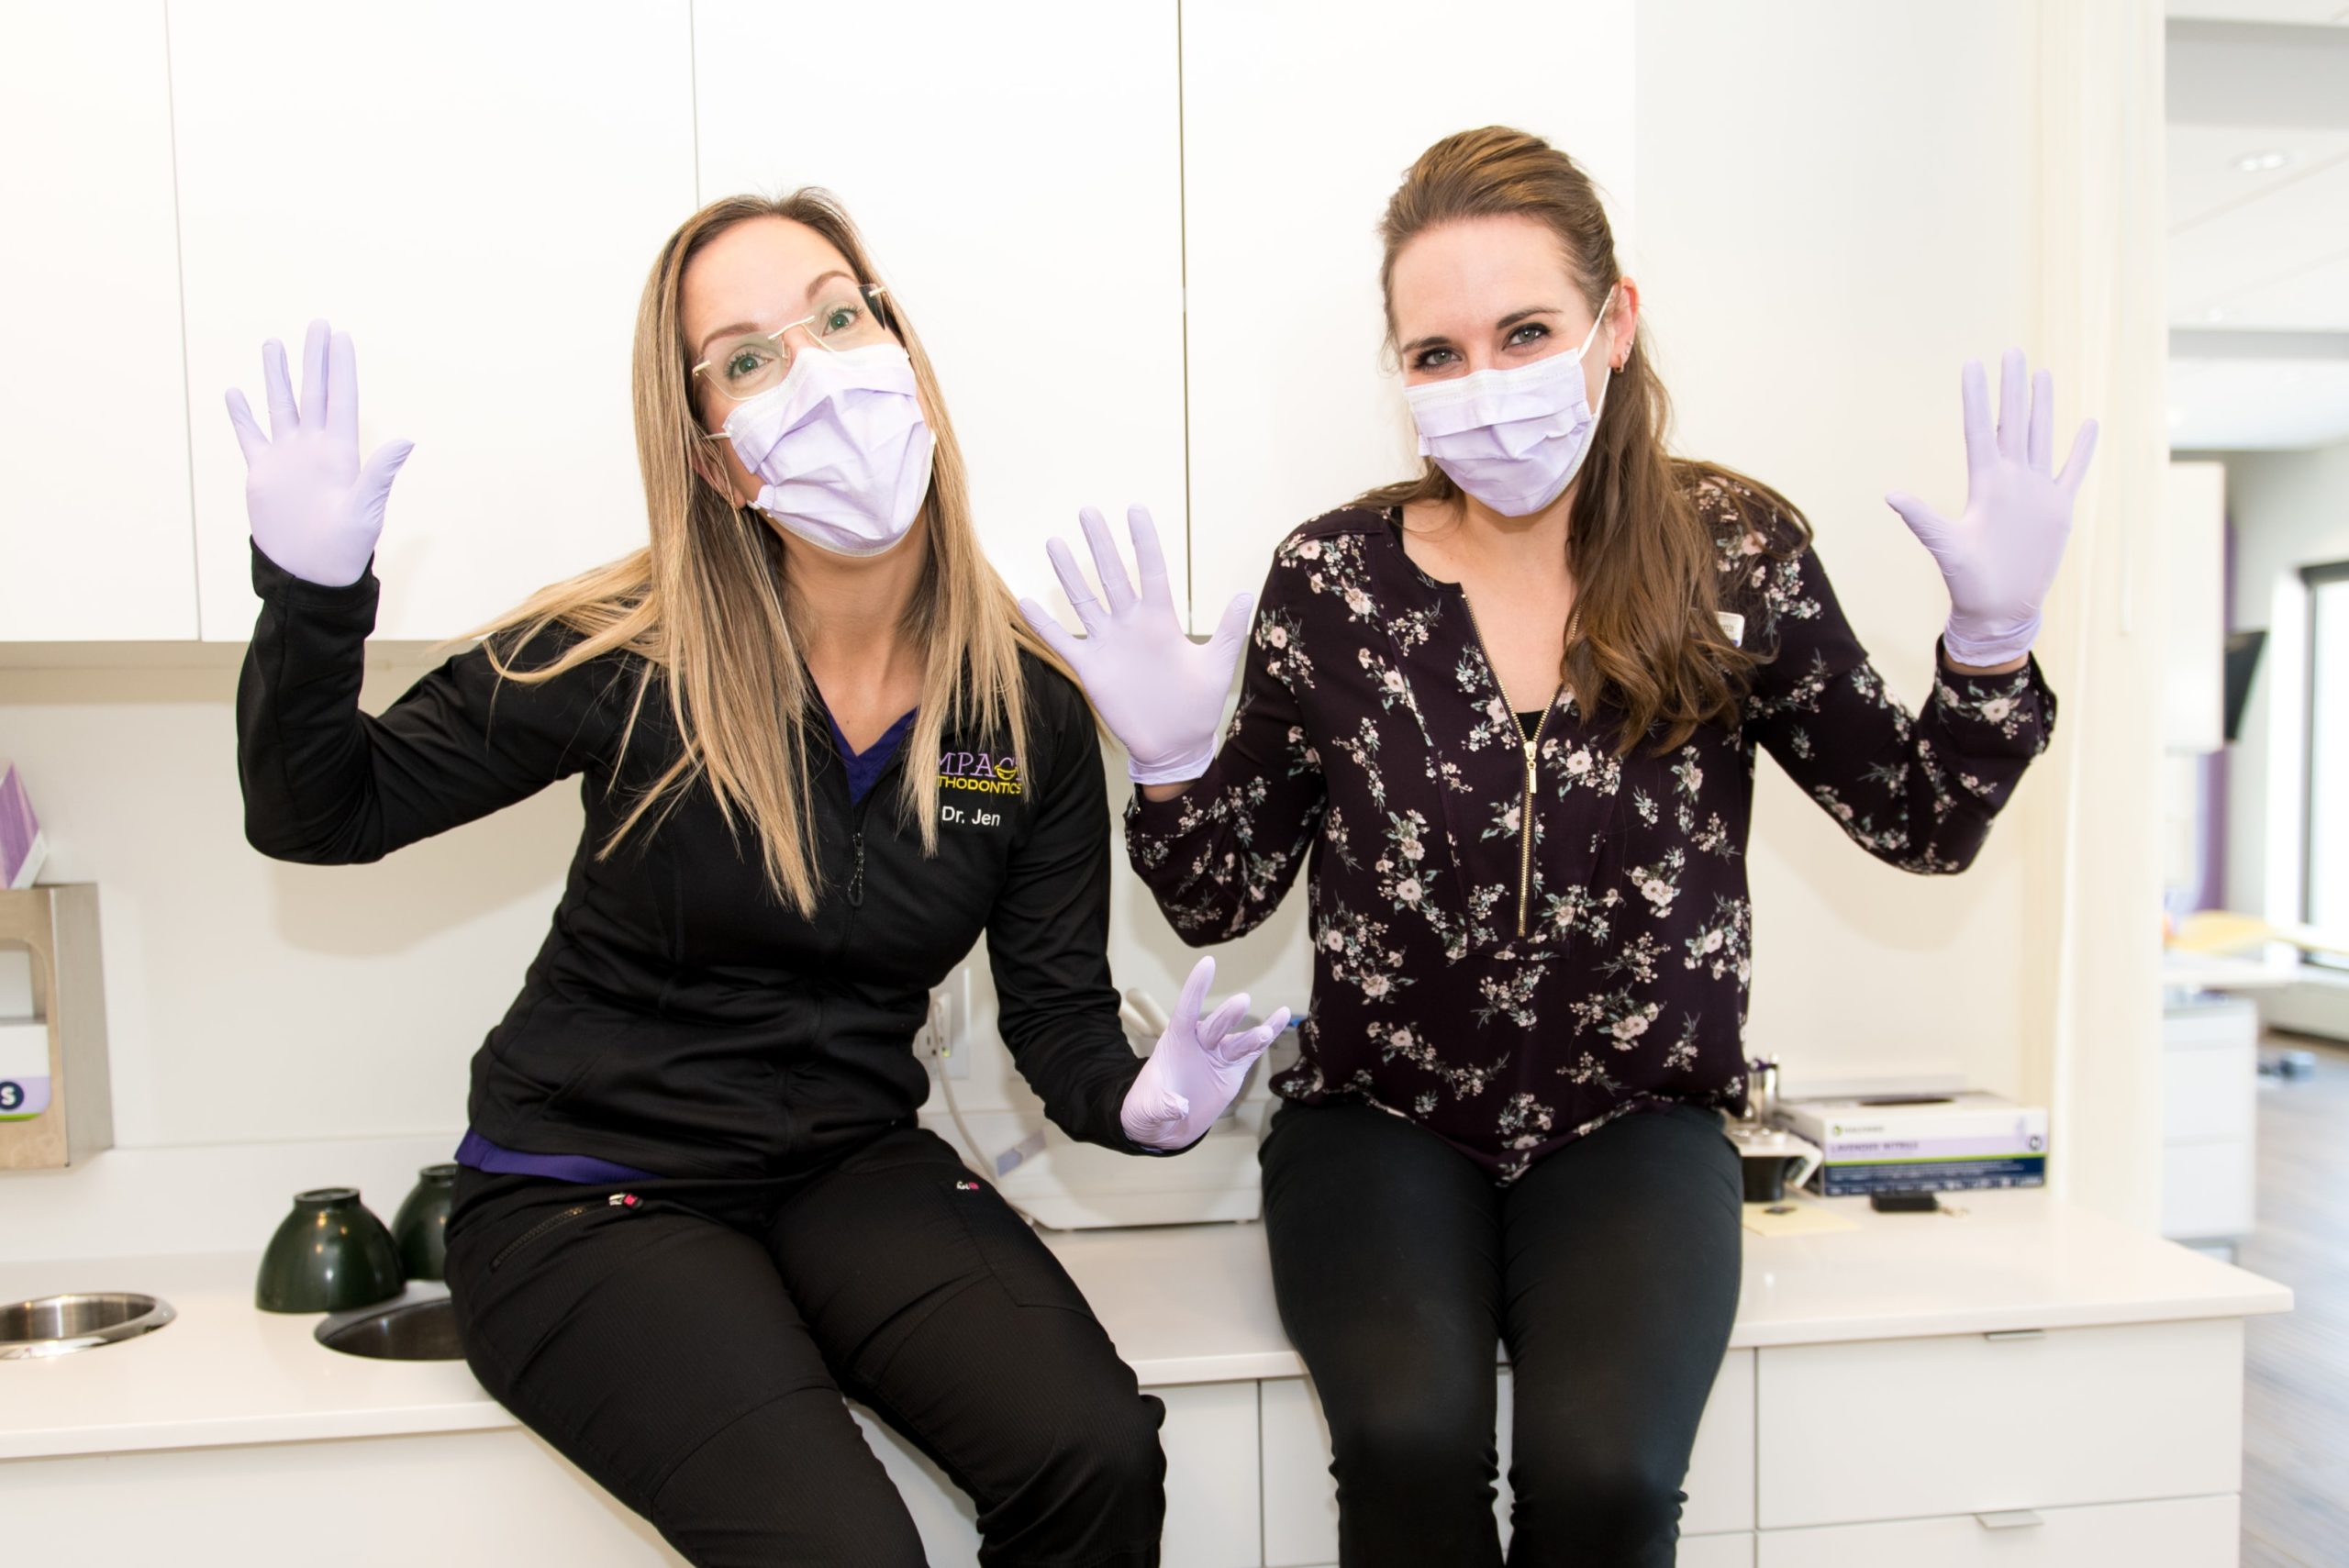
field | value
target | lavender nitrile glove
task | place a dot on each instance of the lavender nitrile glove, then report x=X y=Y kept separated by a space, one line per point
x=1999 y=556
x=1161 y=693
x=1196 y=1068
x=316 y=510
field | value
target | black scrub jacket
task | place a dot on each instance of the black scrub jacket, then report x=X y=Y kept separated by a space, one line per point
x=679 y=1019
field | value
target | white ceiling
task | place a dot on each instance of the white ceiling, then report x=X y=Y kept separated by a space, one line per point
x=2258 y=257
x=2266 y=248
x=2242 y=404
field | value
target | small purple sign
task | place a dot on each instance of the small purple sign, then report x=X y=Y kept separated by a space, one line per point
x=21 y=847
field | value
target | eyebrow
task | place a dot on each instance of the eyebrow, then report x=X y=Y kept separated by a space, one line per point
x=733 y=326
x=1503 y=324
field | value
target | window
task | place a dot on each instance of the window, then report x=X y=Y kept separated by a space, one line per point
x=2324 y=839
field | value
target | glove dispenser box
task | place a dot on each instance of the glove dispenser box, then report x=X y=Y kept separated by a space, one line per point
x=56 y=1108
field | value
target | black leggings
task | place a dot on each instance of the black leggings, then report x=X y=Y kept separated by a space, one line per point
x=687 y=1343
x=1610 y=1270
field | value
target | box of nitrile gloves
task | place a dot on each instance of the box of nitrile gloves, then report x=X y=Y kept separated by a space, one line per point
x=1919 y=1143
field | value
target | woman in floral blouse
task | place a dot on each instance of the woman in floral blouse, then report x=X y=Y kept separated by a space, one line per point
x=1505 y=715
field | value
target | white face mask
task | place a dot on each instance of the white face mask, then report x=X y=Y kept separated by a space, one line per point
x=1513 y=438
x=841 y=447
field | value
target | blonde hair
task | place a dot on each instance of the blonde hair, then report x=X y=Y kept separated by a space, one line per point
x=705 y=603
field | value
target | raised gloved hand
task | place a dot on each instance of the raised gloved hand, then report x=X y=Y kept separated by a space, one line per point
x=1196 y=1068
x=1999 y=555
x=1161 y=693
x=315 y=509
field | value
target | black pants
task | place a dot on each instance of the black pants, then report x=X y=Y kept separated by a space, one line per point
x=1610 y=1270
x=687 y=1344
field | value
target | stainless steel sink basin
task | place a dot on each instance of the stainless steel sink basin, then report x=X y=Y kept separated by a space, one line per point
x=404 y=1332
x=60 y=1325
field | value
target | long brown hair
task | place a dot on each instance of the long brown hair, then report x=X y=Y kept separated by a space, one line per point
x=705 y=604
x=1645 y=642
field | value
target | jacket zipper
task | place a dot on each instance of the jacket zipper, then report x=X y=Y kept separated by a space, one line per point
x=1532 y=766
x=854 y=892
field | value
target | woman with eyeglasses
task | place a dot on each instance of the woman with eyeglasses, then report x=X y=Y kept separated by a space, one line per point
x=819 y=755
x=1504 y=715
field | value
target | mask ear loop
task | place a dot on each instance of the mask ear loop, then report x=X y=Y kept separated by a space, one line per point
x=710 y=469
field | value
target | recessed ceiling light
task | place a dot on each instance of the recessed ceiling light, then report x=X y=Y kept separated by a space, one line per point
x=2215 y=313
x=2176 y=417
x=2261 y=162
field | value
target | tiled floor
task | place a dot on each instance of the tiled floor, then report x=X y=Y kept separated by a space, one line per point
x=2295 y=1416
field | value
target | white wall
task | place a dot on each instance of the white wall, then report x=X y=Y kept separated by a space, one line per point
x=248 y=999
x=2288 y=510
x=1789 y=156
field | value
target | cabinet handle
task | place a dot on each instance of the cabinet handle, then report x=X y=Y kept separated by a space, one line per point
x=2011 y=1519
x=2001 y=1336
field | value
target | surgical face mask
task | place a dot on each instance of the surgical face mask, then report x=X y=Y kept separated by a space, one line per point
x=839 y=447
x=1513 y=438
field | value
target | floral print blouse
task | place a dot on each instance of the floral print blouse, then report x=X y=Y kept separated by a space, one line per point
x=1516 y=944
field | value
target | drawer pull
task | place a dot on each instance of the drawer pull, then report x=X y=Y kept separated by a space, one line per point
x=2001 y=1336
x=2011 y=1519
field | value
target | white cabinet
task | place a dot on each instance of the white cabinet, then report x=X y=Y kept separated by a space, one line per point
x=475 y=193
x=1966 y=1423
x=1296 y=128
x=2184 y=1532
x=489 y=1498
x=93 y=481
x=1301 y=1501
x=2210 y=1121
x=483 y=1499
x=1015 y=169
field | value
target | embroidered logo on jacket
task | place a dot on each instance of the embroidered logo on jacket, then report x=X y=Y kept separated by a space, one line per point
x=980 y=772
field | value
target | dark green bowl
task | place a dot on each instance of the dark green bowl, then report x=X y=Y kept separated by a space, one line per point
x=330 y=1255
x=421 y=1227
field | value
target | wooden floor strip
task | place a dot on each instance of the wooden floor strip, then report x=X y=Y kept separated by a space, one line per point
x=2296 y=1397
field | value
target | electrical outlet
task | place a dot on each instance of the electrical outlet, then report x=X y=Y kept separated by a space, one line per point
x=943 y=1039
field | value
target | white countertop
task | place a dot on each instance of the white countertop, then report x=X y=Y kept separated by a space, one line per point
x=2279 y=966
x=1185 y=1304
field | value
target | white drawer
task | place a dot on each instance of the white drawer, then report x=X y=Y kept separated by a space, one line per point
x=1301 y=1500
x=2208 y=1189
x=1965 y=1424
x=2221 y=1021
x=2190 y=1532
x=2209 y=1092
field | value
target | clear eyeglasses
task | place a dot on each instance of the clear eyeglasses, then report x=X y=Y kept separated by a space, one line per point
x=850 y=317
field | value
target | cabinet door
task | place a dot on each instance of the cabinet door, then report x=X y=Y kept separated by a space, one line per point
x=2178 y=1532
x=475 y=193
x=1296 y=128
x=481 y=1499
x=1017 y=178
x=1965 y=1423
x=94 y=528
